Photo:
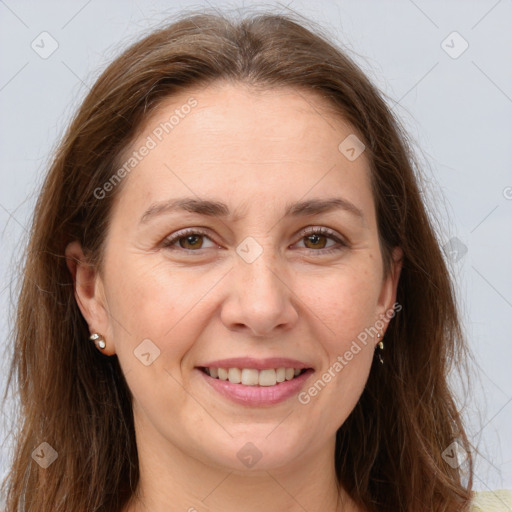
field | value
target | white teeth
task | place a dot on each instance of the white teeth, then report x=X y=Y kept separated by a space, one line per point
x=234 y=375
x=253 y=377
x=267 y=378
x=249 y=377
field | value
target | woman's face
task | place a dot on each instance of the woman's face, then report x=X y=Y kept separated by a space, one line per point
x=272 y=261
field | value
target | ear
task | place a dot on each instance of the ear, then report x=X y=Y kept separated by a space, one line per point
x=89 y=294
x=387 y=297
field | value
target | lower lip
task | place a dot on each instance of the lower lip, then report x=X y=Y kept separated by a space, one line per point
x=257 y=395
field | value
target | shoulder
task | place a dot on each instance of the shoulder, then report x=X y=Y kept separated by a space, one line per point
x=492 y=501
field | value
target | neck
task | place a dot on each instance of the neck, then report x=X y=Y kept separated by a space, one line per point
x=171 y=477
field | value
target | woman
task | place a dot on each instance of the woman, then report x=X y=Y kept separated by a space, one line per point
x=233 y=296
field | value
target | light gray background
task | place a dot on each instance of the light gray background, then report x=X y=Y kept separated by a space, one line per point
x=458 y=110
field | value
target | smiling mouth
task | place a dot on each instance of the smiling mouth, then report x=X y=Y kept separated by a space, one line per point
x=254 y=377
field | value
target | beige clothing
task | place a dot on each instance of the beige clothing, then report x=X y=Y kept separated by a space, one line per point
x=492 y=501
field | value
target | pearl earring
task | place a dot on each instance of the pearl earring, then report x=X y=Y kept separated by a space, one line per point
x=98 y=340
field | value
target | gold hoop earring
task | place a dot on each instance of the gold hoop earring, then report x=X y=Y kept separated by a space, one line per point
x=380 y=344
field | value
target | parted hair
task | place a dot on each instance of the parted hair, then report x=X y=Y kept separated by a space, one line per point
x=389 y=451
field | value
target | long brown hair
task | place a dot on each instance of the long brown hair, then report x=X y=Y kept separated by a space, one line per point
x=389 y=452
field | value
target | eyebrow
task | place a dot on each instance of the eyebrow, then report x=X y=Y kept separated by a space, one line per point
x=212 y=208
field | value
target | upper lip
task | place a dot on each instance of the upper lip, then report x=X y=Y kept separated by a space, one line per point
x=257 y=364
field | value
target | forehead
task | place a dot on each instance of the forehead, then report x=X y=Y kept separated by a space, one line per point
x=238 y=113
x=233 y=140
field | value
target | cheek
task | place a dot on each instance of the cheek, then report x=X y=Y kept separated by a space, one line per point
x=345 y=306
x=150 y=302
x=150 y=295
x=345 y=300
x=153 y=312
x=346 y=315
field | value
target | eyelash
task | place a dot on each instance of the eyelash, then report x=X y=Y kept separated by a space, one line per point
x=170 y=241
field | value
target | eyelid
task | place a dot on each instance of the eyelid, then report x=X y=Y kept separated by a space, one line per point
x=342 y=242
x=172 y=239
x=324 y=231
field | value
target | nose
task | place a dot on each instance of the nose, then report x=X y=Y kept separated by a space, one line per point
x=261 y=300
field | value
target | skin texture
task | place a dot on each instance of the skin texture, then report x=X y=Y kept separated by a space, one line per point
x=257 y=152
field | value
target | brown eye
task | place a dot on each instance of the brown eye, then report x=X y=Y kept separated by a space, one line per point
x=318 y=241
x=192 y=240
